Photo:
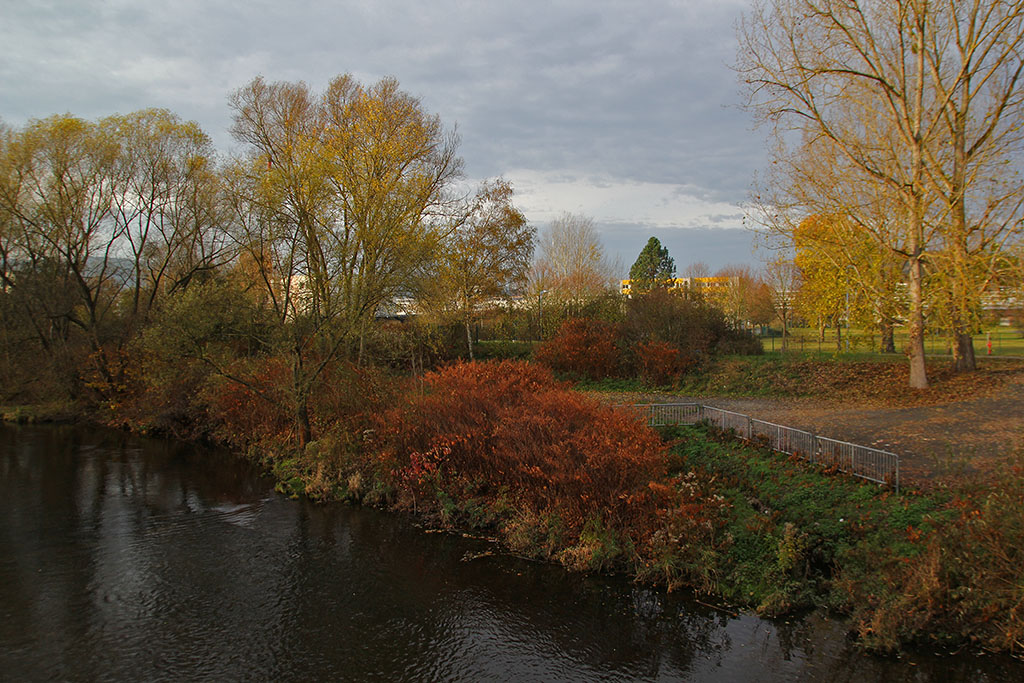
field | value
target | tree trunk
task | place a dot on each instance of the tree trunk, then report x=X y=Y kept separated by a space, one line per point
x=469 y=339
x=362 y=345
x=915 y=243
x=963 y=344
x=915 y=351
x=305 y=431
x=888 y=337
x=963 y=352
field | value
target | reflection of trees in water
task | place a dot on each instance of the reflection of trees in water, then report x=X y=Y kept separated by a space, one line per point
x=415 y=588
x=165 y=476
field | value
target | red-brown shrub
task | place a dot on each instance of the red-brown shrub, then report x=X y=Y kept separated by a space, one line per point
x=661 y=363
x=582 y=347
x=252 y=408
x=509 y=428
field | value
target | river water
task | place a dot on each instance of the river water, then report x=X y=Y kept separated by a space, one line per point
x=124 y=558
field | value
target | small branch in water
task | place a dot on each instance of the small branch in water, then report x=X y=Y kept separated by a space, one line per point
x=717 y=607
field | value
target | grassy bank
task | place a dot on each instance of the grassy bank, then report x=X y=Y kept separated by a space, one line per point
x=941 y=568
x=560 y=478
x=54 y=411
x=850 y=378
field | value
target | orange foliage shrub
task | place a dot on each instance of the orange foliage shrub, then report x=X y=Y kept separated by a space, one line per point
x=661 y=363
x=255 y=411
x=582 y=347
x=510 y=429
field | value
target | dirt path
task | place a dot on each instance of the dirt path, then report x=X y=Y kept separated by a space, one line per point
x=932 y=440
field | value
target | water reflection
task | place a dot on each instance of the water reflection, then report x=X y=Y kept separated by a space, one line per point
x=123 y=558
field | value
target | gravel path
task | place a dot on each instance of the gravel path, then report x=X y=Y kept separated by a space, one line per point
x=962 y=436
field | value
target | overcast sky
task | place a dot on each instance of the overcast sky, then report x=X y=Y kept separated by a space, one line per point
x=624 y=111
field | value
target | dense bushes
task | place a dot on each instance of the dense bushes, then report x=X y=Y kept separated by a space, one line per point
x=660 y=363
x=662 y=337
x=582 y=348
x=507 y=432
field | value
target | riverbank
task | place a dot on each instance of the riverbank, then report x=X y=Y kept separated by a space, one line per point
x=56 y=412
x=506 y=451
x=149 y=542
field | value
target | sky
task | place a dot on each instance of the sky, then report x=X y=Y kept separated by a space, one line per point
x=626 y=112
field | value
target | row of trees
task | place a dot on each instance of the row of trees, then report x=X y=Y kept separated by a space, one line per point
x=130 y=255
x=339 y=202
x=897 y=130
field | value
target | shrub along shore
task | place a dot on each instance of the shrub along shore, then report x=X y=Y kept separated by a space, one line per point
x=506 y=449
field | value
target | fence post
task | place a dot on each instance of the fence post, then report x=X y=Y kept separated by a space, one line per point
x=814 y=446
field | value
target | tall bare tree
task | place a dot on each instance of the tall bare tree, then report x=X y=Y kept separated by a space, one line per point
x=832 y=72
x=167 y=210
x=571 y=262
x=876 y=86
x=976 y=60
x=486 y=255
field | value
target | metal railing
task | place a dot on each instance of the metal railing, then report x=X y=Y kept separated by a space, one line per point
x=868 y=463
x=665 y=414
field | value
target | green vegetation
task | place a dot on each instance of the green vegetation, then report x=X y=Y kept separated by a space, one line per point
x=790 y=523
x=941 y=566
x=1006 y=341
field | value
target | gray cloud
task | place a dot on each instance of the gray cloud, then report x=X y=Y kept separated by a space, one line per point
x=716 y=247
x=615 y=92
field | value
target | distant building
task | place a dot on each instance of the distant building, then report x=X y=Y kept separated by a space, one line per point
x=687 y=285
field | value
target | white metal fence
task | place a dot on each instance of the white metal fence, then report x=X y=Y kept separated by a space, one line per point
x=865 y=462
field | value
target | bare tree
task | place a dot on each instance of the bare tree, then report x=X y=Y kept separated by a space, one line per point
x=783 y=280
x=166 y=210
x=571 y=264
x=877 y=86
x=697 y=269
x=486 y=255
x=976 y=60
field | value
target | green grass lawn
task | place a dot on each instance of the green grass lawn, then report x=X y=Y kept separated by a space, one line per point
x=1006 y=341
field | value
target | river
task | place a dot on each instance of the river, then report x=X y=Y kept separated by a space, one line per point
x=124 y=558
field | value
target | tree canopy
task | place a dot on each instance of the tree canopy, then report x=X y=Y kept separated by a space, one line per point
x=653 y=267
